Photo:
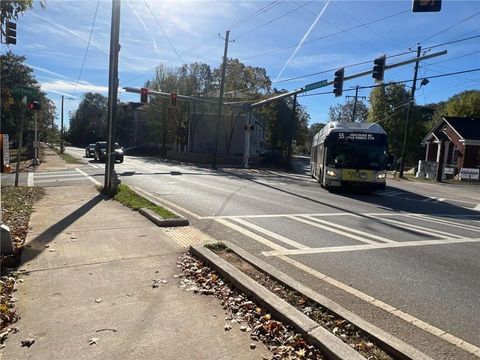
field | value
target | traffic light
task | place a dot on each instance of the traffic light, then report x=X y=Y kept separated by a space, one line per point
x=379 y=68
x=426 y=5
x=144 y=95
x=34 y=105
x=173 y=99
x=10 y=33
x=338 y=82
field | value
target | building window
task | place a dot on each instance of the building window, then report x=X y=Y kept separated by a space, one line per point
x=455 y=154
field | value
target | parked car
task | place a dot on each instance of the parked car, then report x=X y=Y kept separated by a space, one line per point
x=101 y=151
x=273 y=158
x=90 y=150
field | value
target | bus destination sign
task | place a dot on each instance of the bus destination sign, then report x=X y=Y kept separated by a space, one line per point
x=356 y=136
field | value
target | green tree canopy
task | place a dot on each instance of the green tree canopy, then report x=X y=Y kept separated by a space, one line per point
x=89 y=122
x=344 y=112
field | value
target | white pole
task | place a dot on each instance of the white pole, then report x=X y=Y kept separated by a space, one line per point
x=35 y=142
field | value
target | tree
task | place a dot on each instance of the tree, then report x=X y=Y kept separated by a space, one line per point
x=89 y=122
x=11 y=9
x=344 y=112
x=466 y=104
x=313 y=130
x=14 y=71
x=388 y=107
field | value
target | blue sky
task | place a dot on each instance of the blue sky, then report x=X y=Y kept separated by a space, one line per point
x=55 y=39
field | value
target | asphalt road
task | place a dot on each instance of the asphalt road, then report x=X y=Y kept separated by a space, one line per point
x=405 y=259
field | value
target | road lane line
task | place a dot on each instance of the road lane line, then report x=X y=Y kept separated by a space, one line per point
x=168 y=203
x=272 y=234
x=251 y=235
x=89 y=177
x=272 y=215
x=352 y=230
x=439 y=333
x=329 y=228
x=93 y=165
x=348 y=248
x=418 y=229
x=442 y=221
x=30 y=179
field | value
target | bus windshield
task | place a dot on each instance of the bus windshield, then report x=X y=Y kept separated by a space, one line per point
x=357 y=155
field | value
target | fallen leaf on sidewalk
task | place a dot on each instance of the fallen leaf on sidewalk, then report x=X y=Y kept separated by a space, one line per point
x=92 y=341
x=98 y=301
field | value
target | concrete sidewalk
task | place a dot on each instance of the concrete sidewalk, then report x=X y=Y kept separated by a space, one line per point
x=92 y=263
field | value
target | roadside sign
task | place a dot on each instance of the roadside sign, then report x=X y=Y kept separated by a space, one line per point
x=316 y=85
x=469 y=173
x=21 y=90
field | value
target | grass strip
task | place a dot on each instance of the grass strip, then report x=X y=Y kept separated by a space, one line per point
x=69 y=159
x=129 y=198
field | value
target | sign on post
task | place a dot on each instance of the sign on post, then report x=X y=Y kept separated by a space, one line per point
x=316 y=85
x=469 y=173
x=21 y=91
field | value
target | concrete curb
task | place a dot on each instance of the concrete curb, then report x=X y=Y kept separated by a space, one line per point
x=159 y=221
x=392 y=345
x=332 y=347
x=179 y=221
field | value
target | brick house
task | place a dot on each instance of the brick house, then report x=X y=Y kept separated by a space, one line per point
x=454 y=141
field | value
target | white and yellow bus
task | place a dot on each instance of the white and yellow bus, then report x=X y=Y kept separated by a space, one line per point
x=352 y=154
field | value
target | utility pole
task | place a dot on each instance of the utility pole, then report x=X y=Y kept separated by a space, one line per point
x=248 y=126
x=61 y=127
x=20 y=139
x=409 y=113
x=292 y=130
x=35 y=142
x=112 y=94
x=220 y=100
x=355 y=103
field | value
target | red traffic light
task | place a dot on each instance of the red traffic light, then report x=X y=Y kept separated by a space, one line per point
x=144 y=95
x=33 y=105
x=173 y=99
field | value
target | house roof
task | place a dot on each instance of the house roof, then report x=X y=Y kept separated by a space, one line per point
x=468 y=128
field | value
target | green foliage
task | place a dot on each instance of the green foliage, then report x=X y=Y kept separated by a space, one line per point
x=129 y=198
x=10 y=9
x=14 y=71
x=89 y=122
x=344 y=112
x=466 y=103
x=388 y=107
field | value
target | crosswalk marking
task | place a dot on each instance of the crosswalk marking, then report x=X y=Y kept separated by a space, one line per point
x=88 y=177
x=442 y=221
x=30 y=179
x=350 y=229
x=332 y=249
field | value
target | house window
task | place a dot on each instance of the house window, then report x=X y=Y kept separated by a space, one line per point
x=455 y=154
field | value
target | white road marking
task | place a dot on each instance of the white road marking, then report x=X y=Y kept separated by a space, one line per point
x=93 y=165
x=251 y=235
x=168 y=203
x=349 y=248
x=442 y=221
x=392 y=193
x=472 y=349
x=331 y=229
x=350 y=229
x=47 y=176
x=30 y=179
x=271 y=234
x=271 y=216
x=89 y=177
x=77 y=178
x=418 y=229
x=477 y=208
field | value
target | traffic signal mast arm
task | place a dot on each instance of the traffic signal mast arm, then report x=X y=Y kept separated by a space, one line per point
x=354 y=76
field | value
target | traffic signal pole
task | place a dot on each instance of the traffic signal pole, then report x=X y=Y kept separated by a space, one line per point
x=410 y=108
x=112 y=94
x=20 y=139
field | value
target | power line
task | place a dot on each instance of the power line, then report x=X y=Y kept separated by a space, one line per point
x=86 y=50
x=164 y=33
x=452 y=26
x=400 y=82
x=271 y=21
x=452 y=42
x=345 y=67
x=455 y=58
x=255 y=14
x=328 y=35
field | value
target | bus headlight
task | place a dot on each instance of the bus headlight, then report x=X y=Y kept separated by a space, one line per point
x=331 y=173
x=381 y=175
